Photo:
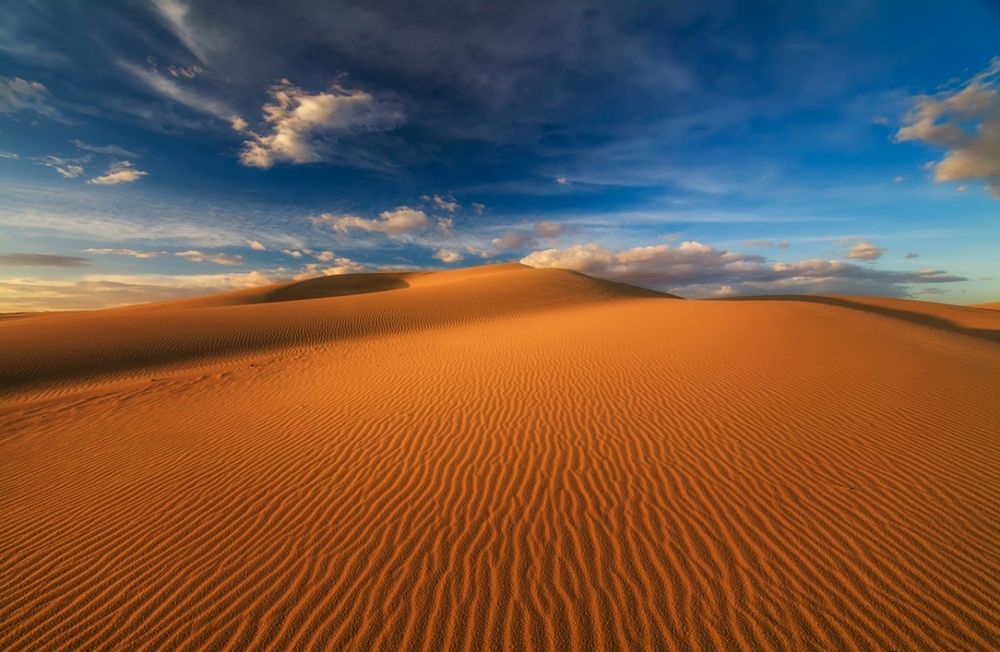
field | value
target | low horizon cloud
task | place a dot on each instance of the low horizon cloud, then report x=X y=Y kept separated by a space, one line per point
x=698 y=270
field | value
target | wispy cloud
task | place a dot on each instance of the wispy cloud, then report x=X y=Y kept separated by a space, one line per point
x=111 y=150
x=21 y=95
x=193 y=255
x=43 y=260
x=67 y=168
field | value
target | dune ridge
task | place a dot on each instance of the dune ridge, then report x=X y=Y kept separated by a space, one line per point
x=505 y=458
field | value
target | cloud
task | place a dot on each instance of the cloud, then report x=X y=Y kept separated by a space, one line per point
x=780 y=244
x=513 y=240
x=695 y=269
x=444 y=203
x=898 y=179
x=401 y=221
x=193 y=255
x=301 y=124
x=9 y=155
x=238 y=123
x=202 y=257
x=911 y=256
x=43 y=260
x=67 y=168
x=448 y=256
x=548 y=230
x=864 y=251
x=190 y=72
x=170 y=89
x=294 y=253
x=109 y=290
x=256 y=245
x=111 y=150
x=175 y=14
x=121 y=172
x=17 y=95
x=562 y=181
x=965 y=122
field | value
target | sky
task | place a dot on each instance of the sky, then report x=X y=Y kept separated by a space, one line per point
x=168 y=148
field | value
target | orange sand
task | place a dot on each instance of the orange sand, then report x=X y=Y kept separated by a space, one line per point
x=500 y=458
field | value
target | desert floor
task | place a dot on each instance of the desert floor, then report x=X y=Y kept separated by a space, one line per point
x=500 y=458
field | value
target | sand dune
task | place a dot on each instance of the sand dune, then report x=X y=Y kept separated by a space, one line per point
x=500 y=458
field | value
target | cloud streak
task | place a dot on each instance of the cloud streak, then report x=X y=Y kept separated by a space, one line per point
x=43 y=260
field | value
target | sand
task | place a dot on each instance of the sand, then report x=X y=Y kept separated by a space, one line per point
x=500 y=458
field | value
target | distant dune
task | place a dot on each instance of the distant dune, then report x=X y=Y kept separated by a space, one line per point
x=500 y=458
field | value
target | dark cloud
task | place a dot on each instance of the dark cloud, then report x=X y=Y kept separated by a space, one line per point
x=697 y=270
x=43 y=260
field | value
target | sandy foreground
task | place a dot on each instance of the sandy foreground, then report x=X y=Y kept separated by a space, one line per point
x=500 y=458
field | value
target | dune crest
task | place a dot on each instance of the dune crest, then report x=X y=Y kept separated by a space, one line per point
x=498 y=458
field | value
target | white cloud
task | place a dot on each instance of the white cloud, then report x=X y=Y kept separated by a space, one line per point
x=189 y=72
x=175 y=14
x=192 y=254
x=294 y=253
x=865 y=251
x=324 y=256
x=299 y=123
x=10 y=155
x=238 y=123
x=67 y=168
x=448 y=256
x=562 y=181
x=111 y=150
x=121 y=172
x=256 y=245
x=170 y=89
x=401 y=221
x=698 y=270
x=966 y=123
x=19 y=94
x=203 y=257
x=444 y=203
x=898 y=179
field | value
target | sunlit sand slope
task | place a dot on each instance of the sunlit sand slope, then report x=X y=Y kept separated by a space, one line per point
x=497 y=459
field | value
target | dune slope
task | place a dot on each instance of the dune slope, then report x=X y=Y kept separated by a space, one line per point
x=497 y=458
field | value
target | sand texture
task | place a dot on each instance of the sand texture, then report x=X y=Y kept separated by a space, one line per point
x=500 y=458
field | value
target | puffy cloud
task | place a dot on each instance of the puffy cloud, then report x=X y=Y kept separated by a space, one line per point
x=324 y=256
x=698 y=270
x=944 y=120
x=299 y=123
x=256 y=245
x=864 y=251
x=448 y=256
x=193 y=255
x=18 y=95
x=121 y=172
x=238 y=123
x=401 y=221
x=43 y=260
x=111 y=150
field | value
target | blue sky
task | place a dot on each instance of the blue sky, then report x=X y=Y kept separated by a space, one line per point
x=159 y=149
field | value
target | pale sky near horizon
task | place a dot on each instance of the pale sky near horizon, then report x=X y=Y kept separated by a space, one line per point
x=165 y=148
